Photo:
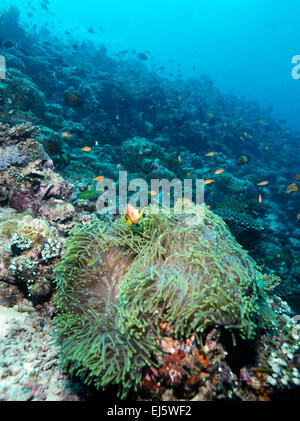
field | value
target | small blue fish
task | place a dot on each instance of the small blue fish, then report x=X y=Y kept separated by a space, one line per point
x=92 y=262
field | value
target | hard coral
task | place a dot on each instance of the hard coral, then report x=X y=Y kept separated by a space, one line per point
x=191 y=277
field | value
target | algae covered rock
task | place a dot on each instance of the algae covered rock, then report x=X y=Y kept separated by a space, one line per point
x=172 y=268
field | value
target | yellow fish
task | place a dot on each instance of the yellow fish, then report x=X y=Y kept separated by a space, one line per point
x=66 y=134
x=92 y=262
x=190 y=173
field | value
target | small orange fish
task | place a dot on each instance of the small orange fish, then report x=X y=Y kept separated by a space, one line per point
x=86 y=149
x=152 y=192
x=211 y=115
x=291 y=188
x=260 y=198
x=208 y=206
x=118 y=165
x=66 y=134
x=99 y=178
x=210 y=154
x=190 y=173
x=262 y=183
x=209 y=180
x=219 y=171
x=179 y=159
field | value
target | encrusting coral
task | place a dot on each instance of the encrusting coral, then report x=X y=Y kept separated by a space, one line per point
x=167 y=269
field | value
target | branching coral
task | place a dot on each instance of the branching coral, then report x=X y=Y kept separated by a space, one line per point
x=189 y=276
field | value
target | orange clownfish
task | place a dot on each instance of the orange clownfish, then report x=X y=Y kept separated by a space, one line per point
x=133 y=216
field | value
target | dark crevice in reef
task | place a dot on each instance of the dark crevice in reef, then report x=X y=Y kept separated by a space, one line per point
x=243 y=353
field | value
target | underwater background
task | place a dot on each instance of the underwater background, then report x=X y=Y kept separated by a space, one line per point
x=144 y=306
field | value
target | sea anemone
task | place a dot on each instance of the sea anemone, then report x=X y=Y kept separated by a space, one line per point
x=189 y=276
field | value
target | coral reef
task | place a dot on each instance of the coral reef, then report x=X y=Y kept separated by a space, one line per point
x=29 y=360
x=161 y=309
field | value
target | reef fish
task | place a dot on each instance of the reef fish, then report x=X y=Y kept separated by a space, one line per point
x=210 y=154
x=92 y=262
x=86 y=149
x=142 y=56
x=133 y=215
x=73 y=100
x=263 y=183
x=66 y=134
x=219 y=171
x=291 y=188
x=210 y=180
x=243 y=159
x=88 y=194
x=99 y=178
